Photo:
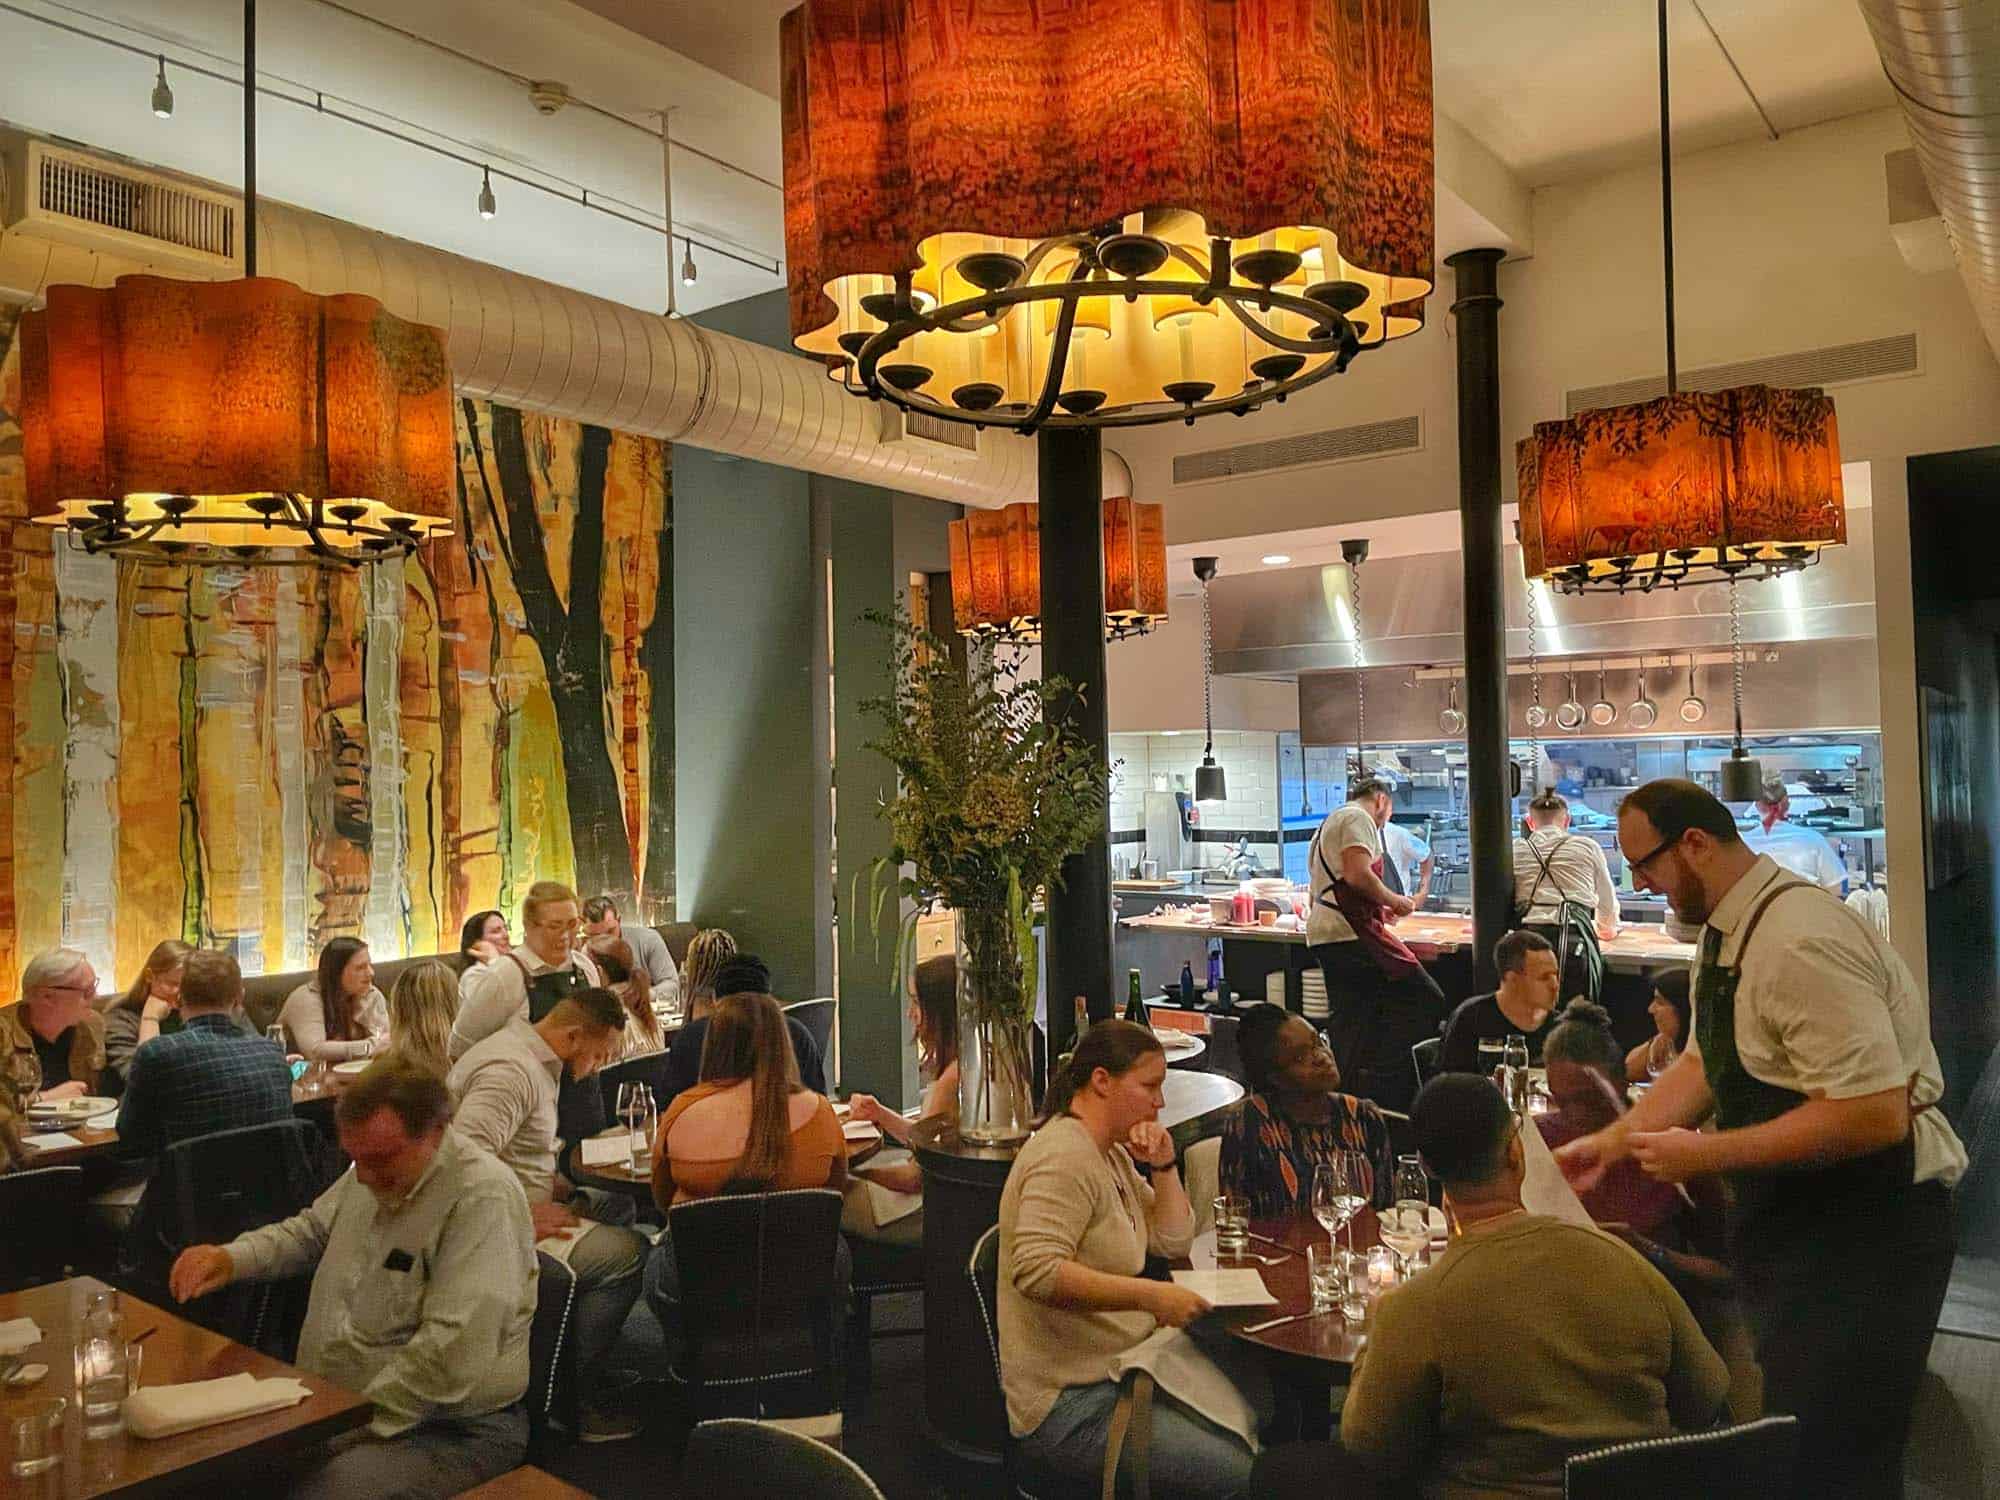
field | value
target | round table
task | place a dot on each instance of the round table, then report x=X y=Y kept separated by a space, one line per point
x=1195 y=1104
x=622 y=1177
x=1182 y=1056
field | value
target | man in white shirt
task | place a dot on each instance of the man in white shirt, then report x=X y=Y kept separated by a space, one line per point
x=1408 y=858
x=505 y=1090
x=1563 y=891
x=1803 y=851
x=529 y=980
x=1812 y=1048
x=1380 y=1000
x=663 y=977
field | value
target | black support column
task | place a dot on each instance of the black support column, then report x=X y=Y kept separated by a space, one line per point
x=1489 y=790
x=1078 y=936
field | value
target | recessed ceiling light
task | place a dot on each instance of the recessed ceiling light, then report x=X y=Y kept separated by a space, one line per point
x=1276 y=559
x=1169 y=733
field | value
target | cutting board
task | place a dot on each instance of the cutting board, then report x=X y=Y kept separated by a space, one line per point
x=1145 y=885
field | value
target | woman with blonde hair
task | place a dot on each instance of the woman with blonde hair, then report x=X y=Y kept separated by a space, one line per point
x=707 y=952
x=422 y=1004
x=625 y=979
x=150 y=1007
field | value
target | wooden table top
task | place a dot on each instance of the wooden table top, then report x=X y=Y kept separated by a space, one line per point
x=92 y=1144
x=176 y=1351
x=525 y=1483
x=621 y=1176
x=1327 y=1339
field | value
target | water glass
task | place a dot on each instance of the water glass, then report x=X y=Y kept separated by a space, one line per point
x=275 y=1034
x=1232 y=1225
x=1517 y=1074
x=102 y=1384
x=1323 y=1276
x=1354 y=1286
x=36 y=1434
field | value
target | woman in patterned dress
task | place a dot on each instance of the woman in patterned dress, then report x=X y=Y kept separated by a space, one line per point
x=1295 y=1117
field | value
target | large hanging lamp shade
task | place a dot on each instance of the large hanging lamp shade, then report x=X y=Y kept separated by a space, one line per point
x=1108 y=213
x=247 y=420
x=1688 y=488
x=996 y=571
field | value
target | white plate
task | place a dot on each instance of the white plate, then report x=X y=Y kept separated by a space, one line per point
x=352 y=1067
x=84 y=1108
x=861 y=1130
x=1176 y=1041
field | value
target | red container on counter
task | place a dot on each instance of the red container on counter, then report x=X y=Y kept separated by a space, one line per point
x=1243 y=908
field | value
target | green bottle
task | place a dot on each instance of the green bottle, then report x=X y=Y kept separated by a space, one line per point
x=1135 y=999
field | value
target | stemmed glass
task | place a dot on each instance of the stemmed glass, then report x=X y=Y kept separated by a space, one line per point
x=1337 y=1194
x=1660 y=1055
x=1406 y=1227
x=637 y=1110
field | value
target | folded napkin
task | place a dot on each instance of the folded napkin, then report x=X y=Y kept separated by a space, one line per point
x=53 y=1141
x=1544 y=1190
x=158 y=1411
x=17 y=1334
x=888 y=1205
x=1195 y=1377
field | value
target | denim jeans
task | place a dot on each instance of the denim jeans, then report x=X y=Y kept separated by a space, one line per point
x=1191 y=1458
x=431 y=1461
x=607 y=1261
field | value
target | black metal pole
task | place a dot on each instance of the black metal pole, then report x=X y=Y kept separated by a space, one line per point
x=1488 y=789
x=1078 y=935
x=249 y=137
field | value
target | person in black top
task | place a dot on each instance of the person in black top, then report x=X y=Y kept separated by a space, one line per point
x=744 y=973
x=1530 y=980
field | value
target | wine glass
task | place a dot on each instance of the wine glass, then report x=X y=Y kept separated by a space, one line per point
x=1360 y=1187
x=275 y=1034
x=1333 y=1200
x=1660 y=1055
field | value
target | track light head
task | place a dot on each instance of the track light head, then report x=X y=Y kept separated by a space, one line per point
x=487 y=206
x=688 y=271
x=163 y=93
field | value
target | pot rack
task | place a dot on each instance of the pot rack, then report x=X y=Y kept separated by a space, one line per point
x=1650 y=662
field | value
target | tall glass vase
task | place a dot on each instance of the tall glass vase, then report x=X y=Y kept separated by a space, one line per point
x=995 y=1010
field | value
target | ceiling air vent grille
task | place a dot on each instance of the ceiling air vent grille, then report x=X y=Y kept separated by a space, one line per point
x=1335 y=445
x=1838 y=364
x=938 y=430
x=72 y=190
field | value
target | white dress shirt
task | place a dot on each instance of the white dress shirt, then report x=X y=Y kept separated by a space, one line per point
x=1577 y=872
x=1350 y=826
x=1826 y=1007
x=1803 y=851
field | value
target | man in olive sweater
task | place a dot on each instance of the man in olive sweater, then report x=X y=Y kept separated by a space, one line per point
x=1529 y=1340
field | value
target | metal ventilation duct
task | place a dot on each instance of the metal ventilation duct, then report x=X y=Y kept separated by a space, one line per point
x=532 y=344
x=1943 y=57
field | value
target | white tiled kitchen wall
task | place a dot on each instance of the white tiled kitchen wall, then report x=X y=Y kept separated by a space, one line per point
x=1248 y=758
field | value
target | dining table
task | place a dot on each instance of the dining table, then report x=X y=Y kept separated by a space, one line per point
x=92 y=1143
x=622 y=1177
x=249 y=1452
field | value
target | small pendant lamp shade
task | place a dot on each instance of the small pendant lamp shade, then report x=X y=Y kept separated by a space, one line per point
x=1688 y=488
x=175 y=420
x=1211 y=783
x=996 y=570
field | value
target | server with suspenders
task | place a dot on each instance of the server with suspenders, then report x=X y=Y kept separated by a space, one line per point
x=1563 y=892
x=1811 y=1046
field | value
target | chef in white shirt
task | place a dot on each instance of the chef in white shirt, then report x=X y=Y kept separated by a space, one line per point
x=1405 y=853
x=1803 y=851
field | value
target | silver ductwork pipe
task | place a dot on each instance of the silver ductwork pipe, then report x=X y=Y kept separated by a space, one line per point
x=1943 y=58
x=543 y=347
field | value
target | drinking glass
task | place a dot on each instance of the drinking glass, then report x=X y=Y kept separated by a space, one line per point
x=645 y=1118
x=1406 y=1226
x=37 y=1437
x=1335 y=1196
x=1517 y=1073
x=1492 y=1054
x=102 y=1383
x=275 y=1033
x=1232 y=1225
x=1354 y=1286
x=1323 y=1276
x=1660 y=1055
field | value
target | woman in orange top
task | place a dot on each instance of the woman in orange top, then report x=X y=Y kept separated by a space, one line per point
x=749 y=1126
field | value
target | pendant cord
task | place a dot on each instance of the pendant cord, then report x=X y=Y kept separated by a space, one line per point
x=1736 y=660
x=1534 y=718
x=1360 y=676
x=1207 y=678
x=1667 y=203
x=249 y=137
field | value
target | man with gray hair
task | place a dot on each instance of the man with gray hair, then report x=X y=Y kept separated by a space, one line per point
x=52 y=1043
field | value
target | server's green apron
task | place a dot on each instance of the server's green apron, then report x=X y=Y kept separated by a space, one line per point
x=1841 y=1268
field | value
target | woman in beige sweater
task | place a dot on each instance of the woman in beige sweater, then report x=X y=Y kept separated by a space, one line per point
x=1076 y=1224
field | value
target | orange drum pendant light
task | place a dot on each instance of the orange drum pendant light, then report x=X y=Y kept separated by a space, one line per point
x=237 y=421
x=1103 y=214
x=1695 y=487
x=996 y=571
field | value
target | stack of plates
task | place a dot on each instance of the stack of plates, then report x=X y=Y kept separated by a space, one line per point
x=1274 y=987
x=1313 y=995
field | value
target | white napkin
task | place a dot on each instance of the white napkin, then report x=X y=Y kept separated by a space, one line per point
x=17 y=1334
x=53 y=1141
x=1181 y=1366
x=888 y=1205
x=1544 y=1190
x=158 y=1411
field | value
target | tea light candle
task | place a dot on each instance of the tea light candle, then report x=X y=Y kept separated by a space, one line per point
x=1381 y=1268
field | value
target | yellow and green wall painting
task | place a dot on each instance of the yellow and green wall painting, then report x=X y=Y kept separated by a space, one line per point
x=266 y=758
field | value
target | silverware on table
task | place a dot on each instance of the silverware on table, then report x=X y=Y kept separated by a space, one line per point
x=1265 y=1239
x=1288 y=1318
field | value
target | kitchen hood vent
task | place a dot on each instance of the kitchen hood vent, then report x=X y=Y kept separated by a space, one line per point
x=1335 y=445
x=1838 y=364
x=74 y=198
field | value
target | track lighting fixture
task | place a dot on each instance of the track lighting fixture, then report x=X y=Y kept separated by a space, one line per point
x=688 y=271
x=487 y=206
x=163 y=93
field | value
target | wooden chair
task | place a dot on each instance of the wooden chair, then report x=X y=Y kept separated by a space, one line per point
x=1751 y=1461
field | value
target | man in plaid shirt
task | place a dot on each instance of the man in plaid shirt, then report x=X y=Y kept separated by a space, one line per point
x=210 y=1075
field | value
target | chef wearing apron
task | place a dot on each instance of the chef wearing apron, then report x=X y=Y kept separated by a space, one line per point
x=1380 y=1000
x=1812 y=1047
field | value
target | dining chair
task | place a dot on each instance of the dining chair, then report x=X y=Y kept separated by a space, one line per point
x=553 y=1399
x=1750 y=1461
x=1201 y=1171
x=881 y=1269
x=1131 y=1424
x=759 y=1302
x=1425 y=1057
x=726 y=1455
x=817 y=1017
x=1223 y=1056
x=44 y=1206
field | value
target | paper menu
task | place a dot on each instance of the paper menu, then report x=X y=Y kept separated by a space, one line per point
x=605 y=1150
x=1230 y=1288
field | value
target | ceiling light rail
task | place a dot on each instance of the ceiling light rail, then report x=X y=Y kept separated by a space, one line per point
x=582 y=197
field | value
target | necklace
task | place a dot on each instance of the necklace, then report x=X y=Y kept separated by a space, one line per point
x=1460 y=1227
